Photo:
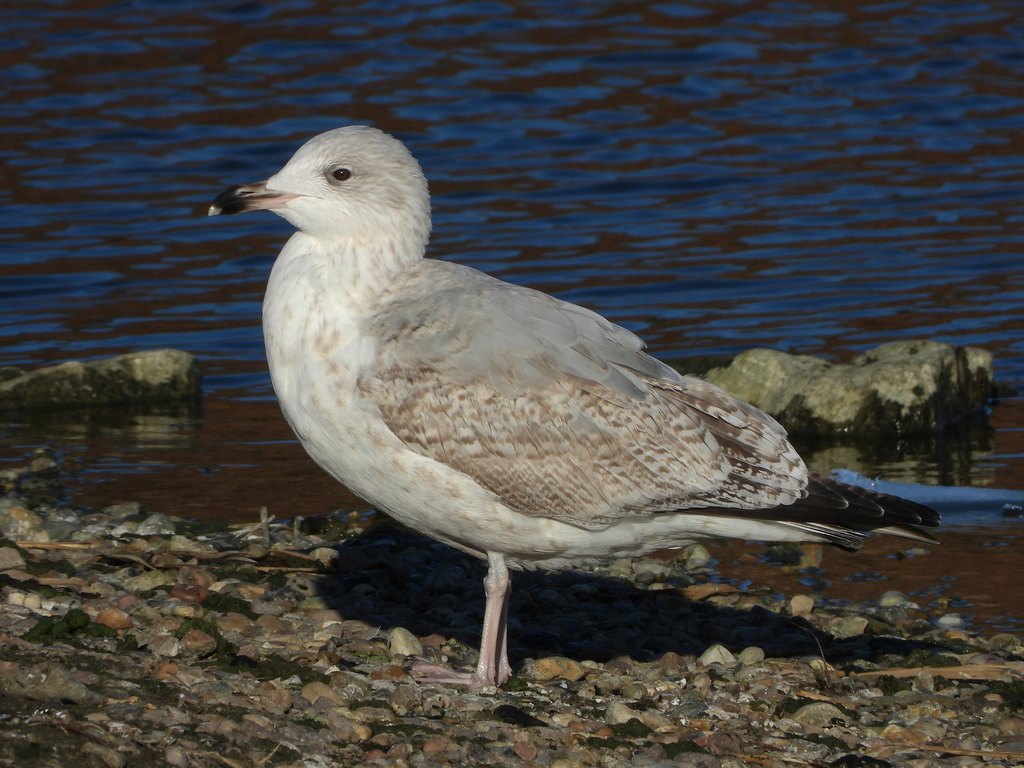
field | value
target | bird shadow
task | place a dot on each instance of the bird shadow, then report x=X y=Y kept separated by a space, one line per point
x=390 y=577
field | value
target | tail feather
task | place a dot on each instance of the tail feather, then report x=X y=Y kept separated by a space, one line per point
x=844 y=514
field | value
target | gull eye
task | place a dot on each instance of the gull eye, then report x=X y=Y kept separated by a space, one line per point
x=341 y=174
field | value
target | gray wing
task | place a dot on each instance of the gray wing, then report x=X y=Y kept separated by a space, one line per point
x=560 y=413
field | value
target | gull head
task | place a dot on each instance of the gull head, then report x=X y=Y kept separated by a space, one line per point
x=350 y=183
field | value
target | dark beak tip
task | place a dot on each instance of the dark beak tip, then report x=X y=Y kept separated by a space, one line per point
x=228 y=203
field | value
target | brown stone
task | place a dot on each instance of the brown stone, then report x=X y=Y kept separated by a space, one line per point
x=525 y=750
x=313 y=691
x=543 y=670
x=190 y=593
x=190 y=574
x=197 y=645
x=114 y=618
x=273 y=623
x=236 y=622
x=390 y=672
x=433 y=746
x=274 y=699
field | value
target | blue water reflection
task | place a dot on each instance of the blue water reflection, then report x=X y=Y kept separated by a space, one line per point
x=712 y=175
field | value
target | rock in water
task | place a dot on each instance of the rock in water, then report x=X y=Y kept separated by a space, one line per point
x=156 y=376
x=902 y=388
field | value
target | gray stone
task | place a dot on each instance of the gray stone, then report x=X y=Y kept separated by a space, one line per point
x=156 y=376
x=50 y=680
x=751 y=655
x=647 y=571
x=10 y=558
x=892 y=598
x=905 y=387
x=157 y=524
x=59 y=530
x=696 y=556
x=619 y=712
x=820 y=713
x=848 y=626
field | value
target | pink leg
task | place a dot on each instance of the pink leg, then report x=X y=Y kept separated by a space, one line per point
x=493 y=668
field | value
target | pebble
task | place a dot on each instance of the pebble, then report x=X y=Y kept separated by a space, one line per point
x=157 y=643
x=190 y=593
x=848 y=626
x=10 y=558
x=403 y=642
x=751 y=655
x=549 y=668
x=891 y=598
x=716 y=654
x=157 y=524
x=820 y=713
x=619 y=712
x=800 y=605
x=114 y=618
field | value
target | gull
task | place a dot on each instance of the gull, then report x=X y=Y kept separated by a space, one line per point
x=521 y=429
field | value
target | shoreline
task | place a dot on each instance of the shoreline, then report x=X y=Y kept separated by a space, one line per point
x=144 y=639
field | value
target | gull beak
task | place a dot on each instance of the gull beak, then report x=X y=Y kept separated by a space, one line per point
x=248 y=197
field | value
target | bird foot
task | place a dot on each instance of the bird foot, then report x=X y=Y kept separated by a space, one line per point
x=427 y=671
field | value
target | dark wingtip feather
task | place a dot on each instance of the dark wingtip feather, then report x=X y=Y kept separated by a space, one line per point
x=846 y=524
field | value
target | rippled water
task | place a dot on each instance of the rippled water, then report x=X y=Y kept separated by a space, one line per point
x=813 y=177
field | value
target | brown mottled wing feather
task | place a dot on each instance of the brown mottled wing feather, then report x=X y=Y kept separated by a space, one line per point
x=559 y=413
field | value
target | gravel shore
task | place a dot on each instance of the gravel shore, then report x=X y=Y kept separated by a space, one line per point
x=136 y=639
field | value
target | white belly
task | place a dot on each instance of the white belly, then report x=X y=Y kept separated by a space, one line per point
x=316 y=355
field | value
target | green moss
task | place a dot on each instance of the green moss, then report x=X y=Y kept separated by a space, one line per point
x=397 y=729
x=5 y=542
x=241 y=571
x=74 y=623
x=789 y=706
x=681 y=747
x=328 y=527
x=925 y=657
x=859 y=761
x=63 y=566
x=829 y=741
x=278 y=579
x=890 y=685
x=631 y=729
x=1012 y=692
x=598 y=743
x=272 y=667
x=31 y=751
x=507 y=713
x=222 y=603
x=515 y=684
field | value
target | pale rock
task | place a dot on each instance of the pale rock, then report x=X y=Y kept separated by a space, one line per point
x=402 y=642
x=716 y=654
x=800 y=605
x=619 y=712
